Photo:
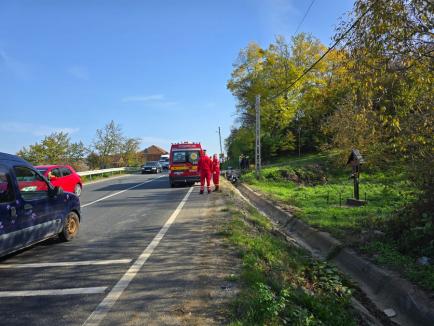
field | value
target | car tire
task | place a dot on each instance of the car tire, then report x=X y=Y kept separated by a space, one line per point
x=172 y=185
x=77 y=190
x=143 y=172
x=71 y=227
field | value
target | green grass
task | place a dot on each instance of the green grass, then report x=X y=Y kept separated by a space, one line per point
x=386 y=254
x=281 y=284
x=322 y=204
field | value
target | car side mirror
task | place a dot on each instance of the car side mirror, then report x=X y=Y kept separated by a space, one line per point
x=52 y=177
x=57 y=191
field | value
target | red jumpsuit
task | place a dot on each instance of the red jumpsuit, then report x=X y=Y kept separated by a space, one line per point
x=204 y=167
x=216 y=172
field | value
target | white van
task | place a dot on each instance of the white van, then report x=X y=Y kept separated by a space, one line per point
x=164 y=161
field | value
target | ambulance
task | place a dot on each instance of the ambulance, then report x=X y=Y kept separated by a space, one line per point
x=183 y=159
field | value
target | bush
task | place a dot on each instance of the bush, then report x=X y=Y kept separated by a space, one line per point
x=412 y=229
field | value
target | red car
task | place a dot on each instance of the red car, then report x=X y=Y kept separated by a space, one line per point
x=62 y=176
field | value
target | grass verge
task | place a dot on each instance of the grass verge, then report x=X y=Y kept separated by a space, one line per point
x=282 y=284
x=316 y=190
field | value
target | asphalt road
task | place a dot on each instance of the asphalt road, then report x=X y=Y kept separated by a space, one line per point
x=99 y=277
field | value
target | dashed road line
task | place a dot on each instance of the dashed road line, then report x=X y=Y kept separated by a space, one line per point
x=34 y=293
x=108 y=302
x=119 y=192
x=66 y=264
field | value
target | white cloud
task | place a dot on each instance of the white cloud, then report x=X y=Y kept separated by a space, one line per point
x=79 y=72
x=3 y=57
x=34 y=129
x=210 y=105
x=144 y=98
x=154 y=100
x=279 y=16
x=16 y=68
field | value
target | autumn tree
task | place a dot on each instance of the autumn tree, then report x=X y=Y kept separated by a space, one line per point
x=55 y=148
x=108 y=142
x=389 y=65
x=130 y=151
x=271 y=73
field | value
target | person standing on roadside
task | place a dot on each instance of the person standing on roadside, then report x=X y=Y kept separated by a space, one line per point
x=215 y=172
x=204 y=167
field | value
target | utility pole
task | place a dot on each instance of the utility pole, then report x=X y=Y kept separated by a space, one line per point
x=258 y=136
x=221 y=148
x=299 y=141
x=298 y=116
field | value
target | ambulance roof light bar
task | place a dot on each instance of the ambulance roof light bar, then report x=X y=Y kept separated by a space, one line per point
x=186 y=142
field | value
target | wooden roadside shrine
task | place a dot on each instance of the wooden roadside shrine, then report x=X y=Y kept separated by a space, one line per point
x=355 y=160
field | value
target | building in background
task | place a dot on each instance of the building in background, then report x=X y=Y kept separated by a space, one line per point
x=153 y=153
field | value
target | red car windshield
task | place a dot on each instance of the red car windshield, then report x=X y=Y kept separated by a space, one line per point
x=187 y=156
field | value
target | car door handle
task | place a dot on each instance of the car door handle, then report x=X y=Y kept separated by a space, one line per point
x=28 y=206
x=13 y=212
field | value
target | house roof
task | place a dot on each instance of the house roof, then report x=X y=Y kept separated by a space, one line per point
x=155 y=150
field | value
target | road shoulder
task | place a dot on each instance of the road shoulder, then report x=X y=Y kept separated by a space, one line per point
x=187 y=279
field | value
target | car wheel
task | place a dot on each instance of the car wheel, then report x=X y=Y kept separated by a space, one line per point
x=172 y=185
x=77 y=190
x=71 y=227
x=143 y=172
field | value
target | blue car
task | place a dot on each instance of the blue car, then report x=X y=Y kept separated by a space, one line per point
x=31 y=208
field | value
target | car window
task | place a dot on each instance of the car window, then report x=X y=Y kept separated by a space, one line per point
x=179 y=157
x=42 y=171
x=56 y=172
x=186 y=157
x=30 y=184
x=6 y=190
x=66 y=171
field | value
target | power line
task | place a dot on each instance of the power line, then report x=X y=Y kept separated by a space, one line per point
x=306 y=71
x=304 y=17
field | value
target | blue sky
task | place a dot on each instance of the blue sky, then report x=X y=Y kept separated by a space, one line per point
x=158 y=68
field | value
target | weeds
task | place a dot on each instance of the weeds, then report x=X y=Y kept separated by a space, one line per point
x=392 y=210
x=282 y=284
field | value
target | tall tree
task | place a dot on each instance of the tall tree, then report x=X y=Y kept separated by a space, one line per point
x=271 y=73
x=130 y=151
x=108 y=142
x=390 y=66
x=53 y=149
x=77 y=152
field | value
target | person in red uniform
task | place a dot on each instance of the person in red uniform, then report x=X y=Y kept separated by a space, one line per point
x=204 y=167
x=215 y=172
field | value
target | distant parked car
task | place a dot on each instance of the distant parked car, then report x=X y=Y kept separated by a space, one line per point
x=62 y=176
x=152 y=167
x=31 y=208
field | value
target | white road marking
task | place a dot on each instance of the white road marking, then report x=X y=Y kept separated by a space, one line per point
x=94 y=290
x=108 y=302
x=119 y=192
x=66 y=264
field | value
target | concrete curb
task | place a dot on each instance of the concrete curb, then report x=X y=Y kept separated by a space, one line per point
x=385 y=288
